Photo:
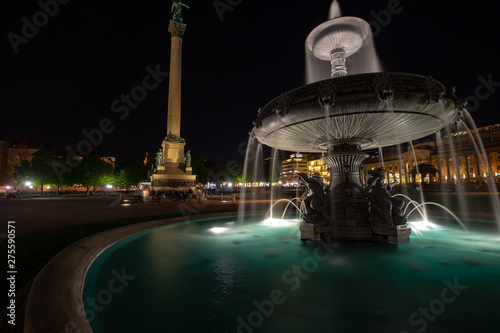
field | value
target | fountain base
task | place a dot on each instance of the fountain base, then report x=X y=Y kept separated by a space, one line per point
x=387 y=234
x=348 y=210
x=315 y=231
x=392 y=234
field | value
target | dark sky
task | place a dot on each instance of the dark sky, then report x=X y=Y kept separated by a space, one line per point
x=66 y=77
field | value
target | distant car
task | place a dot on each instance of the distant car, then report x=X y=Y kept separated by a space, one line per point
x=13 y=195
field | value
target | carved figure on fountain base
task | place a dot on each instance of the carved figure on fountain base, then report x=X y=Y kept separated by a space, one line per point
x=315 y=202
x=384 y=208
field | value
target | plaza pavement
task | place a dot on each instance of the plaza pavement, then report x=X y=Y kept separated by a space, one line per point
x=40 y=214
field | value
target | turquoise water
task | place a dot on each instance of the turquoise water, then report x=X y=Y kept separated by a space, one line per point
x=260 y=278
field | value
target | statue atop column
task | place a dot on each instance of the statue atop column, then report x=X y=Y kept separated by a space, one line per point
x=177 y=9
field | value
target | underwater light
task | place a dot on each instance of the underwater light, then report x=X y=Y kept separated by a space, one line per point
x=279 y=222
x=425 y=225
x=218 y=230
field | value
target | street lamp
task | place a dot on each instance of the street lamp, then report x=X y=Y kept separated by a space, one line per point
x=28 y=185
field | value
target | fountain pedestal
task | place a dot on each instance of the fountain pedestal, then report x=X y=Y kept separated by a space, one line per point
x=349 y=208
x=346 y=216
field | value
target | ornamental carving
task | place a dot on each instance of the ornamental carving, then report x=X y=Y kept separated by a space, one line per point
x=383 y=86
x=260 y=115
x=283 y=105
x=173 y=183
x=177 y=29
x=434 y=90
x=459 y=103
x=327 y=93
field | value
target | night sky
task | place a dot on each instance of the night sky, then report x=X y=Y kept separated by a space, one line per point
x=64 y=79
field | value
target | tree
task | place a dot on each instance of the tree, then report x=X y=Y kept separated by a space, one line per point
x=42 y=171
x=199 y=169
x=128 y=173
x=92 y=171
x=22 y=172
x=222 y=171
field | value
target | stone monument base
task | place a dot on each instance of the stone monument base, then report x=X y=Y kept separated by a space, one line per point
x=174 y=173
x=173 y=182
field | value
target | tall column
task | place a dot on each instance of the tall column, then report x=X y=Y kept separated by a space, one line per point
x=177 y=30
x=173 y=167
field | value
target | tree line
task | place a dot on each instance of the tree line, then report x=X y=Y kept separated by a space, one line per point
x=93 y=170
x=90 y=171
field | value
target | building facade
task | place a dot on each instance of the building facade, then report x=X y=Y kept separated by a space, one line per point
x=296 y=163
x=464 y=156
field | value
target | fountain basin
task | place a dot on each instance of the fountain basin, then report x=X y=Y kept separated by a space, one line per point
x=218 y=276
x=374 y=110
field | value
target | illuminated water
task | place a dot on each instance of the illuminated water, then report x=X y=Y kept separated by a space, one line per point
x=213 y=276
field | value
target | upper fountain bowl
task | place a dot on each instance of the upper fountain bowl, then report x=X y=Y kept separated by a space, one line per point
x=373 y=109
x=347 y=33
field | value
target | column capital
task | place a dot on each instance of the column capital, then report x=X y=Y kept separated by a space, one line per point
x=177 y=29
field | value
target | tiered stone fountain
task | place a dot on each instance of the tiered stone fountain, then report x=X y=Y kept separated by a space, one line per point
x=342 y=116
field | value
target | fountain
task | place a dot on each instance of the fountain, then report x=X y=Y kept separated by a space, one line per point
x=341 y=117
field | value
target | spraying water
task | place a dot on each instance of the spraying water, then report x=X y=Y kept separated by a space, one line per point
x=478 y=144
x=381 y=156
x=335 y=10
x=249 y=155
x=456 y=182
x=417 y=172
x=275 y=154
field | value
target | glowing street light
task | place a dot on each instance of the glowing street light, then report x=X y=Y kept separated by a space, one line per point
x=28 y=183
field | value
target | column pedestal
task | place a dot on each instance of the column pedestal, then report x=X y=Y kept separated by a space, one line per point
x=173 y=175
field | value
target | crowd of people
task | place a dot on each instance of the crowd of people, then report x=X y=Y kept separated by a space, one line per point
x=180 y=196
